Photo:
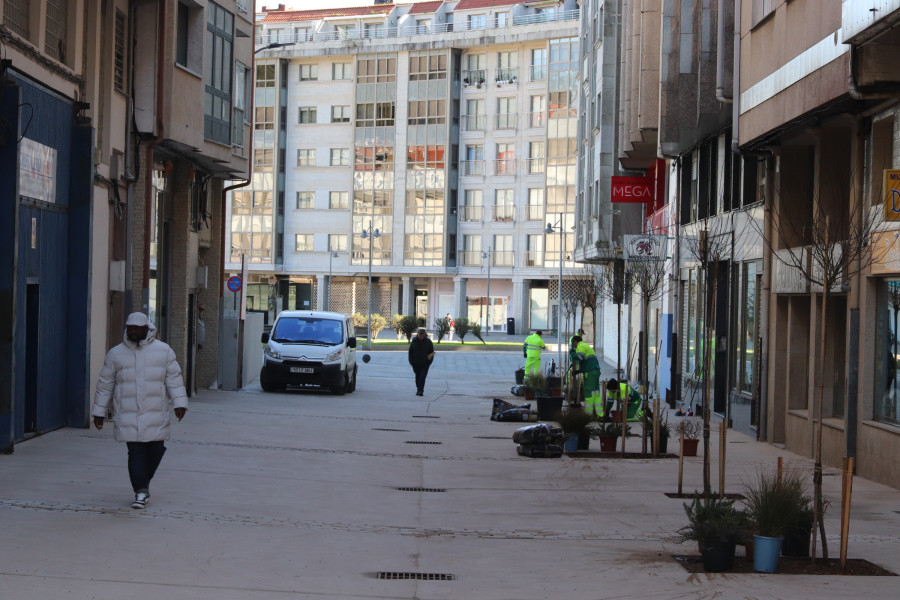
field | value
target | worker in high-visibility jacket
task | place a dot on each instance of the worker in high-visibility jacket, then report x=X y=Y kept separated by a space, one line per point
x=584 y=360
x=621 y=391
x=534 y=343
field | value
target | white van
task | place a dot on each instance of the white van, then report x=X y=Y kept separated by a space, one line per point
x=310 y=348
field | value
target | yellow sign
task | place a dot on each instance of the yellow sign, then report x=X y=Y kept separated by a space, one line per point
x=891 y=195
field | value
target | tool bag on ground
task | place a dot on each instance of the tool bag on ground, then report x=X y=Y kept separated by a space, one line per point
x=517 y=390
x=517 y=414
x=542 y=432
x=501 y=405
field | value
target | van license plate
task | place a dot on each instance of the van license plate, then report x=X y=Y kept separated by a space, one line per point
x=302 y=370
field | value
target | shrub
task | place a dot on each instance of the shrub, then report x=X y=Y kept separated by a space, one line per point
x=395 y=323
x=408 y=326
x=378 y=323
x=777 y=504
x=441 y=328
x=693 y=429
x=463 y=327
x=476 y=331
x=360 y=320
x=713 y=519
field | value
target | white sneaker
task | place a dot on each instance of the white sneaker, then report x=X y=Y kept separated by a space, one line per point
x=140 y=500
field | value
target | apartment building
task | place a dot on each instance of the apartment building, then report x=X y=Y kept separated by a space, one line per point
x=121 y=121
x=426 y=145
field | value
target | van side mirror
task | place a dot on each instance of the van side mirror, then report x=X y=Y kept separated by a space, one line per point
x=265 y=338
x=351 y=342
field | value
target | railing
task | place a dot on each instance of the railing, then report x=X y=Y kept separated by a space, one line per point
x=474 y=122
x=504 y=212
x=504 y=166
x=506 y=76
x=537 y=119
x=474 y=78
x=474 y=168
x=503 y=258
x=535 y=166
x=533 y=259
x=505 y=121
x=534 y=212
x=412 y=30
x=471 y=258
x=471 y=214
x=537 y=72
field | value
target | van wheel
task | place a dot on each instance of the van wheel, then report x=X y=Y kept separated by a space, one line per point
x=340 y=390
x=270 y=387
x=352 y=387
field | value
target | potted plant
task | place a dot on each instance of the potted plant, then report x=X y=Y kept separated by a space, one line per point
x=575 y=421
x=660 y=445
x=535 y=383
x=693 y=429
x=608 y=434
x=717 y=525
x=776 y=503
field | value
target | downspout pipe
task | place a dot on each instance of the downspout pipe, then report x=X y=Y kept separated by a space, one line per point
x=151 y=146
x=720 y=54
x=736 y=90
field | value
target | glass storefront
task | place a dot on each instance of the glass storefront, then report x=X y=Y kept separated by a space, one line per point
x=887 y=399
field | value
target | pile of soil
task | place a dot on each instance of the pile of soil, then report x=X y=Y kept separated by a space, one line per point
x=795 y=566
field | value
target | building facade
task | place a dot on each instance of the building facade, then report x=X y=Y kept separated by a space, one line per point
x=426 y=145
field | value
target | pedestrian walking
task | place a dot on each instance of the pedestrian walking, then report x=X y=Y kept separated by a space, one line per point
x=138 y=379
x=452 y=325
x=534 y=343
x=421 y=355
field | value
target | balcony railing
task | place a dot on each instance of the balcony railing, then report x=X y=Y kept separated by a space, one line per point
x=474 y=122
x=503 y=258
x=472 y=168
x=537 y=73
x=505 y=121
x=504 y=212
x=475 y=78
x=533 y=259
x=537 y=119
x=534 y=212
x=414 y=30
x=506 y=76
x=535 y=166
x=471 y=258
x=471 y=214
x=503 y=166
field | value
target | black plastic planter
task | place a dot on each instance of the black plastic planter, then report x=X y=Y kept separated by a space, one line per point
x=717 y=555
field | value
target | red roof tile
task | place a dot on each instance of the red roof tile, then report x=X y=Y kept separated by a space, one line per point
x=425 y=7
x=323 y=13
x=472 y=4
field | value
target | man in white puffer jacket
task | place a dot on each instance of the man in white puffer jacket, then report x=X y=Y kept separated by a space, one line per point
x=139 y=376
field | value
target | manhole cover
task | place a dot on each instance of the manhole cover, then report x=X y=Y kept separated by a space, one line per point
x=424 y=417
x=429 y=443
x=420 y=489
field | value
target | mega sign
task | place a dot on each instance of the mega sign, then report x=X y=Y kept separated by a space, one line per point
x=632 y=189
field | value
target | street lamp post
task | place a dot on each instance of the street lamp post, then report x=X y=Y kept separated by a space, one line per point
x=487 y=323
x=370 y=234
x=331 y=255
x=562 y=239
x=272 y=46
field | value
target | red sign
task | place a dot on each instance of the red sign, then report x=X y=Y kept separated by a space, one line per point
x=632 y=189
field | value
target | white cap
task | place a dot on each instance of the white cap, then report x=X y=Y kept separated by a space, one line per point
x=139 y=319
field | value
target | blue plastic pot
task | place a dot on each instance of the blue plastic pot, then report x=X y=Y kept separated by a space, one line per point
x=766 y=551
x=571 y=443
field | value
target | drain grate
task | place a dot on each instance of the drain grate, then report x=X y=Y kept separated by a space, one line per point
x=420 y=489
x=492 y=437
x=429 y=443
x=387 y=429
x=425 y=417
x=418 y=576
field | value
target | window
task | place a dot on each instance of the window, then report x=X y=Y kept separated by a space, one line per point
x=242 y=96
x=747 y=351
x=506 y=159
x=761 y=9
x=340 y=157
x=306 y=158
x=423 y=25
x=475 y=70
x=534 y=254
x=503 y=251
x=339 y=200
x=337 y=242
x=506 y=113
x=217 y=105
x=306 y=115
x=474 y=164
x=306 y=199
x=471 y=251
x=427 y=66
x=539 y=64
x=17 y=16
x=375 y=114
x=887 y=397
x=474 y=120
x=537 y=117
x=303 y=242
x=502 y=19
x=535 y=157
x=340 y=114
x=56 y=34
x=504 y=205
x=477 y=21
x=507 y=67
x=302 y=34
x=377 y=158
x=309 y=72
x=119 y=52
x=430 y=156
x=535 y=204
x=380 y=69
x=342 y=71
x=427 y=112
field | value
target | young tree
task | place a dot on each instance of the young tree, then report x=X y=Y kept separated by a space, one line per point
x=441 y=328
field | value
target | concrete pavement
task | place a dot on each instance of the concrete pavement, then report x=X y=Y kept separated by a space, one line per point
x=298 y=495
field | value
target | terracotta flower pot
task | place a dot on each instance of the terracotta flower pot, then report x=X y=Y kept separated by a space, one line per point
x=690 y=447
x=608 y=444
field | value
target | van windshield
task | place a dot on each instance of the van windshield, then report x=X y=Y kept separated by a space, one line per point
x=306 y=330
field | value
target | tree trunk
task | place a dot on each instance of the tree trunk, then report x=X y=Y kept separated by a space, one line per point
x=818 y=506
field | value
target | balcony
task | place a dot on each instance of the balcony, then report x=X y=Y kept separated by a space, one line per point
x=537 y=119
x=503 y=166
x=505 y=121
x=533 y=259
x=471 y=258
x=503 y=258
x=537 y=73
x=435 y=29
x=508 y=76
x=534 y=212
x=475 y=78
x=474 y=122
x=472 y=168
x=535 y=166
x=503 y=213
x=471 y=214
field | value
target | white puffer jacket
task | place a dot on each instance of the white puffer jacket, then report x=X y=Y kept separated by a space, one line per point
x=139 y=379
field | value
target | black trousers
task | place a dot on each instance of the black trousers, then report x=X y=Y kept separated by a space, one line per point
x=421 y=372
x=143 y=460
